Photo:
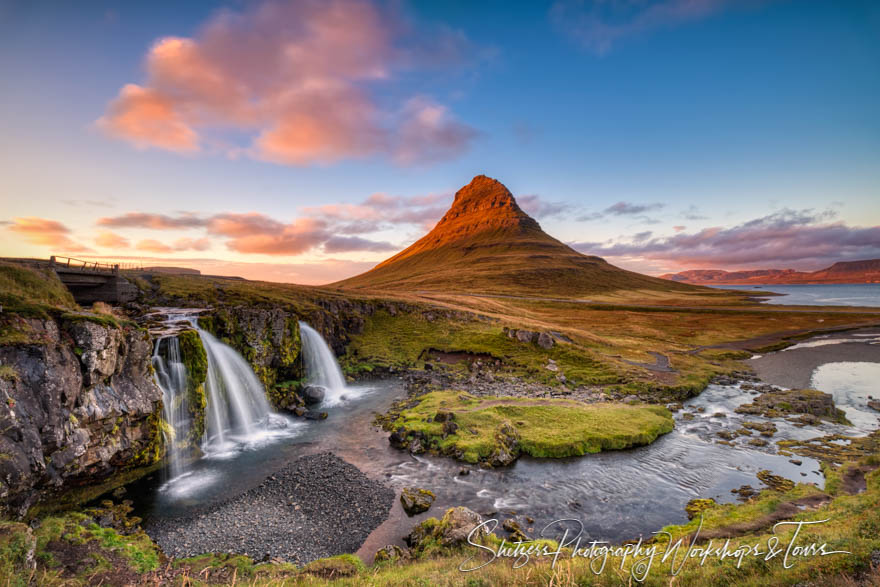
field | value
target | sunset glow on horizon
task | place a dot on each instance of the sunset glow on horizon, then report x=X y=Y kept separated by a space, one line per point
x=305 y=141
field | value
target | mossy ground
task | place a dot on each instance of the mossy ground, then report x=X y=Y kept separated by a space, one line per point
x=194 y=357
x=543 y=428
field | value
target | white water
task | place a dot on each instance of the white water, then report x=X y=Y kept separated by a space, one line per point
x=237 y=415
x=321 y=366
x=237 y=405
x=172 y=379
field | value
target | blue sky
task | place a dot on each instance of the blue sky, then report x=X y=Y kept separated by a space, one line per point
x=664 y=134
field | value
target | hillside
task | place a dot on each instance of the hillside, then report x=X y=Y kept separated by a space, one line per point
x=486 y=244
x=867 y=271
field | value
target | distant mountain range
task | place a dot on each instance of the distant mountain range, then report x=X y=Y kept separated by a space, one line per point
x=486 y=244
x=867 y=271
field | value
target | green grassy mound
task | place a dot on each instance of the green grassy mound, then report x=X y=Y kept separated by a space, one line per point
x=544 y=428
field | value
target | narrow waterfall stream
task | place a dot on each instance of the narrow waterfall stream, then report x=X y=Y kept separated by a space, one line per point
x=321 y=366
x=172 y=378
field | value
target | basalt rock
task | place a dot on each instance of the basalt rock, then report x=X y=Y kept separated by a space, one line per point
x=313 y=394
x=81 y=406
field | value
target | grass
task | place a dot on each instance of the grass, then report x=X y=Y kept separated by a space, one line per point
x=543 y=428
x=25 y=287
x=403 y=342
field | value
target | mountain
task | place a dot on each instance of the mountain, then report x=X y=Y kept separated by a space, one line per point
x=486 y=244
x=867 y=271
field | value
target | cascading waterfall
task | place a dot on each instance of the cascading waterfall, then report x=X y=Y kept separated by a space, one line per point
x=237 y=413
x=171 y=377
x=237 y=404
x=321 y=366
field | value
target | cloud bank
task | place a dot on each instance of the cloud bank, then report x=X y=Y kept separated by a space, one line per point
x=298 y=78
x=800 y=239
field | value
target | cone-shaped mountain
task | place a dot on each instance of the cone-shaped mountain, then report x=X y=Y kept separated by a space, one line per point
x=485 y=243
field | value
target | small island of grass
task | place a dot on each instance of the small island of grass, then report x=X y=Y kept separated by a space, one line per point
x=494 y=431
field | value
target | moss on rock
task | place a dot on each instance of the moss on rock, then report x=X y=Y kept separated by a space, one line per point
x=195 y=359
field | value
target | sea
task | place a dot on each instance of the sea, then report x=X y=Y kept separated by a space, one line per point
x=836 y=294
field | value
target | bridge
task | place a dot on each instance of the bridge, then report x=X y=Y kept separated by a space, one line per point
x=90 y=281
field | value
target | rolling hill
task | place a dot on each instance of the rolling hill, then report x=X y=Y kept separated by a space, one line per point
x=485 y=243
x=867 y=271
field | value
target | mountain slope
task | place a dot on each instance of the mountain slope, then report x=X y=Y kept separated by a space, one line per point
x=486 y=244
x=867 y=271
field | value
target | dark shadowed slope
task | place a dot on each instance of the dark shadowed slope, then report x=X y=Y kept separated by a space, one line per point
x=486 y=244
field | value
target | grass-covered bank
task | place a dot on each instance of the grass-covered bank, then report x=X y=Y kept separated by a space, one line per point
x=87 y=548
x=496 y=430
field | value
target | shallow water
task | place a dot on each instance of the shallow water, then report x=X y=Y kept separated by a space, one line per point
x=851 y=384
x=617 y=495
x=835 y=294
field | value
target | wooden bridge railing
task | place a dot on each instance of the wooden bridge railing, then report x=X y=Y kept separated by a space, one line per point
x=84 y=266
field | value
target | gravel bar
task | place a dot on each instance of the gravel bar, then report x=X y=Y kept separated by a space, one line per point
x=314 y=507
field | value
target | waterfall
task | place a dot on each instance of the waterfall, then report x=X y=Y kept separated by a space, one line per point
x=321 y=366
x=237 y=404
x=172 y=380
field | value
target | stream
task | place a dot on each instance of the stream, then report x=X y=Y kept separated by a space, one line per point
x=617 y=495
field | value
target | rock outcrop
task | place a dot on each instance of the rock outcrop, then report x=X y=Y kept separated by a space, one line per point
x=77 y=403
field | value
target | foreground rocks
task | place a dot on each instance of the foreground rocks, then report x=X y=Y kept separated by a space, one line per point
x=415 y=501
x=316 y=506
x=775 y=402
x=451 y=530
x=78 y=404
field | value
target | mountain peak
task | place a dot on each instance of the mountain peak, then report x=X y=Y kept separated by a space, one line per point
x=483 y=204
x=486 y=243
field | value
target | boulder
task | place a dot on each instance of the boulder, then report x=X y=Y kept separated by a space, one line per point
x=453 y=530
x=313 y=394
x=415 y=501
x=526 y=335
x=457 y=523
x=545 y=341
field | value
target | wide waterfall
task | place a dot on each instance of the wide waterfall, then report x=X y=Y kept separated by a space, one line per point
x=172 y=379
x=237 y=404
x=321 y=365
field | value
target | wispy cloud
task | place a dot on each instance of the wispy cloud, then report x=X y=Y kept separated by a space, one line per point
x=625 y=209
x=802 y=239
x=296 y=77
x=600 y=24
x=47 y=233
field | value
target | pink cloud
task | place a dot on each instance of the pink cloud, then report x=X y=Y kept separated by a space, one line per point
x=111 y=240
x=46 y=233
x=296 y=76
x=147 y=118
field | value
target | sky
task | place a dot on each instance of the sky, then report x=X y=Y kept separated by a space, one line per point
x=305 y=141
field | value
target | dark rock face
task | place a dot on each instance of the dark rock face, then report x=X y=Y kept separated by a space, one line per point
x=81 y=404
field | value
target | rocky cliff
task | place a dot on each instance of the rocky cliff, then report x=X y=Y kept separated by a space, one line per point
x=77 y=403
